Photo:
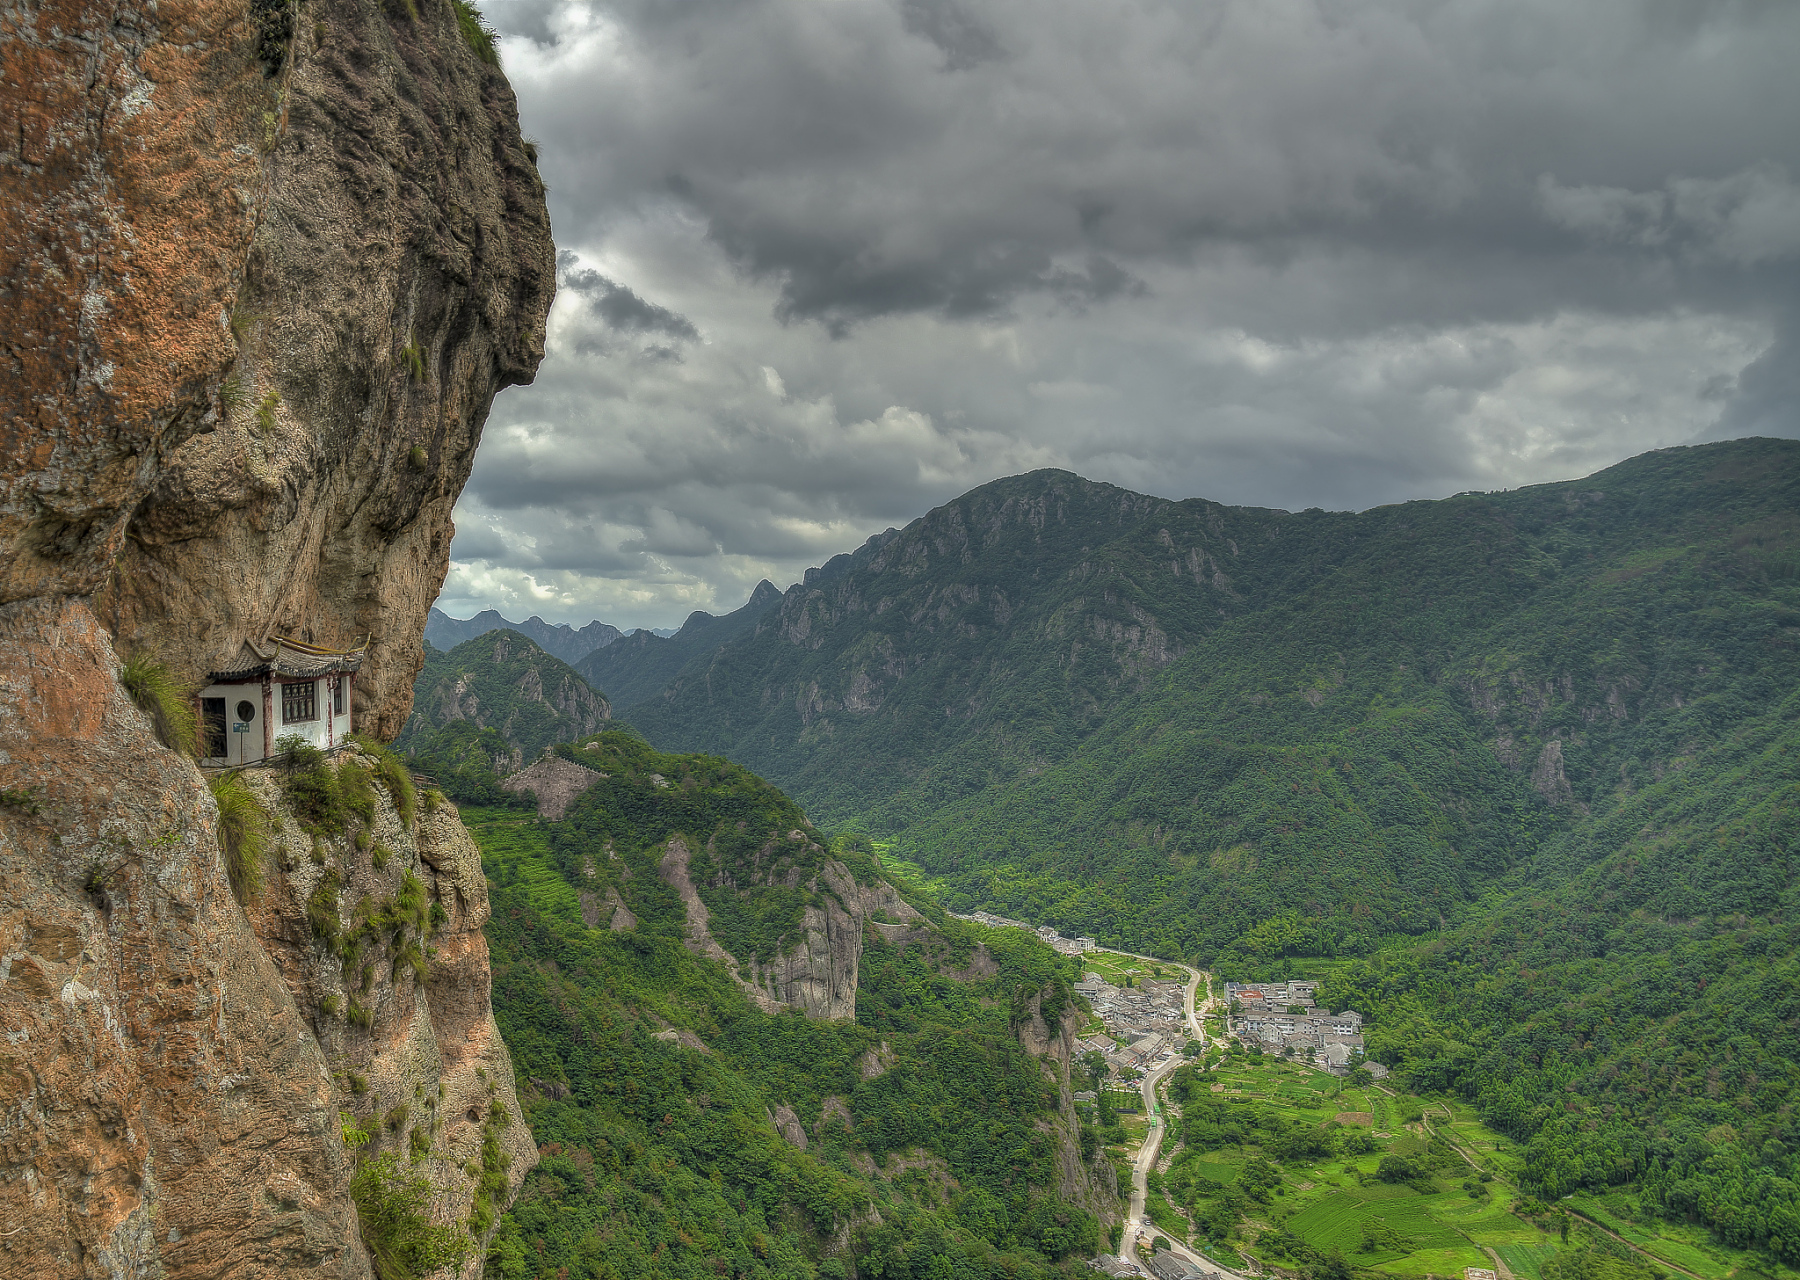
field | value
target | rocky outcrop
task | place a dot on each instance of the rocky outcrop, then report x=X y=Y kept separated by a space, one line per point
x=414 y=1053
x=817 y=975
x=555 y=782
x=816 y=970
x=1093 y=1184
x=262 y=277
x=175 y=1068
x=390 y=270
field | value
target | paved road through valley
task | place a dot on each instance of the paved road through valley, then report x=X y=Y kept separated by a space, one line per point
x=1136 y=1224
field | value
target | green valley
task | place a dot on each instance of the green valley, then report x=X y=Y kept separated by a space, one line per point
x=1514 y=775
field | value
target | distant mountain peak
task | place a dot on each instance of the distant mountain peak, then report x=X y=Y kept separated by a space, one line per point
x=558 y=639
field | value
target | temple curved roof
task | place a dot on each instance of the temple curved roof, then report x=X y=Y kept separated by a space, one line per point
x=285 y=656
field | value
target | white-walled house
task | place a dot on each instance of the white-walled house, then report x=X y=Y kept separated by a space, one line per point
x=286 y=687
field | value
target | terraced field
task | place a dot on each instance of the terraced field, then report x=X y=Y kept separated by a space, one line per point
x=1325 y=1202
x=1336 y=1222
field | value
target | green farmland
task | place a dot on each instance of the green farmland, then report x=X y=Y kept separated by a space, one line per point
x=1285 y=1165
x=1291 y=1168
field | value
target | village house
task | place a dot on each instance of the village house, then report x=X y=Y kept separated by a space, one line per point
x=1143 y=1050
x=276 y=690
x=1333 y=1040
x=1165 y=1265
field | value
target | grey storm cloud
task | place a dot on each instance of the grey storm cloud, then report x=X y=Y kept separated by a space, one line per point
x=624 y=310
x=826 y=265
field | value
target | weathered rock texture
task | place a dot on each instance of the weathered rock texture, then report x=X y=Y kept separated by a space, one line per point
x=1092 y=1184
x=258 y=295
x=555 y=782
x=395 y=276
x=816 y=973
x=170 y=1085
x=165 y=1107
x=429 y=1065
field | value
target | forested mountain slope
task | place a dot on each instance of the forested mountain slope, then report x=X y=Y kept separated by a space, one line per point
x=1630 y=1009
x=1214 y=730
x=491 y=705
x=694 y=1121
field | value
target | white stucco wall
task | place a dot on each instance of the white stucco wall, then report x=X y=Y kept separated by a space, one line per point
x=246 y=746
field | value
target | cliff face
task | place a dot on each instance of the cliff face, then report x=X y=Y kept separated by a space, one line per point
x=164 y=1104
x=263 y=271
x=816 y=969
x=1093 y=1184
x=395 y=275
x=415 y=1058
x=819 y=975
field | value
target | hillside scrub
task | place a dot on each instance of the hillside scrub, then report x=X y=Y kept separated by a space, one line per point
x=652 y=1148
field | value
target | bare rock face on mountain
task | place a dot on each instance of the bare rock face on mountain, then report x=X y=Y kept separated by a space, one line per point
x=1093 y=1184
x=819 y=975
x=816 y=972
x=263 y=270
x=394 y=276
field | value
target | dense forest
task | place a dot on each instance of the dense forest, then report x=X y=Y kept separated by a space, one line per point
x=504 y=682
x=918 y=1139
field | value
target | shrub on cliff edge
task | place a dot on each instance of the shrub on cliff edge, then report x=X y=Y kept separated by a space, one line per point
x=475 y=32
x=394 y=775
x=390 y=1207
x=243 y=834
x=163 y=698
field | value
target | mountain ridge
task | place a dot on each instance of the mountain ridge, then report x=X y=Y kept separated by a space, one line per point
x=977 y=651
x=558 y=639
x=643 y=661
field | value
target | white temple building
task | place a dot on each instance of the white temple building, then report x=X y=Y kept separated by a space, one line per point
x=283 y=688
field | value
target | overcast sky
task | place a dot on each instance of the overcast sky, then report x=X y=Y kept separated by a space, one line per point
x=828 y=263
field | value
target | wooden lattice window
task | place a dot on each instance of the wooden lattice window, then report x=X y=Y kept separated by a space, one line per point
x=299 y=702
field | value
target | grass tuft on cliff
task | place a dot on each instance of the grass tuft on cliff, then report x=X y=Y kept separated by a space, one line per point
x=165 y=699
x=390 y=1208
x=475 y=32
x=394 y=775
x=243 y=834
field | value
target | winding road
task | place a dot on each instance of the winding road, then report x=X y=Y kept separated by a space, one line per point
x=1136 y=1224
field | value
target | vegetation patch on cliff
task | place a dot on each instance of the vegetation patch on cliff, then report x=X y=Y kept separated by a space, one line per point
x=243 y=833
x=162 y=696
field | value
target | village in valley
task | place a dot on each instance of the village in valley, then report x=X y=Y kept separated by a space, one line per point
x=1144 y=1019
x=1275 y=1062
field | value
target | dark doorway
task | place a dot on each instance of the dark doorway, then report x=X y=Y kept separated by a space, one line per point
x=212 y=727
